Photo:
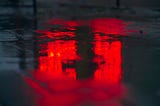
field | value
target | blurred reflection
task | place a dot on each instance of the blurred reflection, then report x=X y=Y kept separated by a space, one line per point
x=80 y=64
x=109 y=61
x=108 y=50
x=109 y=26
x=56 y=68
x=58 y=58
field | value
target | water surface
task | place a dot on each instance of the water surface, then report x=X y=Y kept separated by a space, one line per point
x=91 y=62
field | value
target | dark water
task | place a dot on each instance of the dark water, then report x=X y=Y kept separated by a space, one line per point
x=90 y=62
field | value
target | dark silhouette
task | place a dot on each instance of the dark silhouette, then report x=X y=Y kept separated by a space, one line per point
x=118 y=3
x=85 y=67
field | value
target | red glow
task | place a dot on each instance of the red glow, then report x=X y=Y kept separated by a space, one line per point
x=57 y=53
x=55 y=78
x=108 y=54
x=109 y=61
x=109 y=26
x=55 y=34
x=60 y=85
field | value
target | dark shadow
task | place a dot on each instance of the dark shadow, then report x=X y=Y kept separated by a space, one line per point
x=85 y=67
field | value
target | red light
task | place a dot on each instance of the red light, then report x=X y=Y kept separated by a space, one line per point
x=55 y=34
x=109 y=61
x=58 y=52
x=60 y=84
x=109 y=26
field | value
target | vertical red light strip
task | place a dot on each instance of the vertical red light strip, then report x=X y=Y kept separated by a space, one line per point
x=56 y=78
x=109 y=61
x=57 y=52
x=108 y=54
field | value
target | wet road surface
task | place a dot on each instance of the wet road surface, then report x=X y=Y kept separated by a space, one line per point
x=90 y=62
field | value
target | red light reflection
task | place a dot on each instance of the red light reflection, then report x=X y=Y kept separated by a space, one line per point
x=58 y=52
x=109 y=61
x=108 y=54
x=55 y=34
x=57 y=71
x=109 y=26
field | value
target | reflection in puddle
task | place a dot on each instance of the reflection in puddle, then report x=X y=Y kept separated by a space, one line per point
x=56 y=56
x=109 y=26
x=109 y=61
x=85 y=68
